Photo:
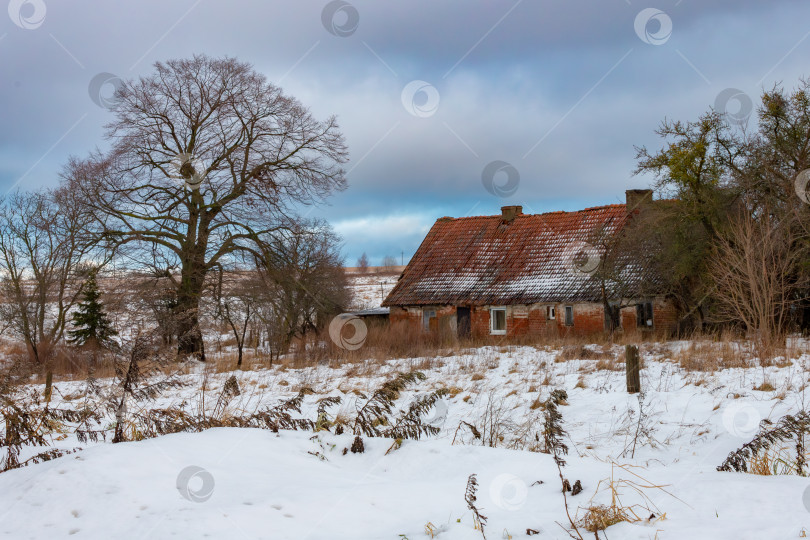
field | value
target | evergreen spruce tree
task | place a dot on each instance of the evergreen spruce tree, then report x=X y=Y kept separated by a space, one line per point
x=90 y=320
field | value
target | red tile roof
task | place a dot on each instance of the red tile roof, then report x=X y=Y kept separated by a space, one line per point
x=484 y=261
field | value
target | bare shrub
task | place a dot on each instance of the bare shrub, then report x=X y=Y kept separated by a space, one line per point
x=496 y=421
x=756 y=270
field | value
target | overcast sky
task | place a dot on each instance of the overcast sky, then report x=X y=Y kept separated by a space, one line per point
x=428 y=93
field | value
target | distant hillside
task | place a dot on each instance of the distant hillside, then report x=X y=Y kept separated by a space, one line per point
x=370 y=288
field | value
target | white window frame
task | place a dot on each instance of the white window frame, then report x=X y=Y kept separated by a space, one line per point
x=551 y=313
x=492 y=329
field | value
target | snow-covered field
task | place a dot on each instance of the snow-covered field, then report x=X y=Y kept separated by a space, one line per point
x=248 y=483
x=369 y=290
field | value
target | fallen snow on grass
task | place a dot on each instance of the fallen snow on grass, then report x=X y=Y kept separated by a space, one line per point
x=256 y=484
x=247 y=483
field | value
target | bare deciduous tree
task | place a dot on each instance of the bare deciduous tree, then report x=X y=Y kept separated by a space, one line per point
x=303 y=283
x=236 y=296
x=207 y=159
x=389 y=262
x=42 y=247
x=362 y=263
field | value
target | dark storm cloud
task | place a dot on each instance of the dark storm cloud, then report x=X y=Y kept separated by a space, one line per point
x=562 y=90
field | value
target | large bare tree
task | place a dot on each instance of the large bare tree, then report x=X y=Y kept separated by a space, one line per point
x=207 y=161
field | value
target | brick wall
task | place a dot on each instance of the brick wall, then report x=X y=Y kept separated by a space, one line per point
x=444 y=322
x=398 y=315
x=665 y=316
x=525 y=320
x=589 y=318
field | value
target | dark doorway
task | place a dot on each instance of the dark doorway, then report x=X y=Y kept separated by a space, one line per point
x=613 y=319
x=463 y=321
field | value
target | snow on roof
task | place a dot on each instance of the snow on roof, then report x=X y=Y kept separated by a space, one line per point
x=372 y=312
x=484 y=260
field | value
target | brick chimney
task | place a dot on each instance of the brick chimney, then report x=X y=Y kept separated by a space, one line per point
x=636 y=198
x=509 y=213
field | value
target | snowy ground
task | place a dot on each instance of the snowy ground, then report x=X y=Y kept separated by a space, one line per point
x=369 y=290
x=257 y=484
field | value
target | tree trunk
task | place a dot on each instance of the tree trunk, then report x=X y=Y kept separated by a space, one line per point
x=189 y=335
x=120 y=420
x=48 y=386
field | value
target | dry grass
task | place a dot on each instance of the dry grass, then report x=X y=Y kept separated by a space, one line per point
x=581 y=352
x=600 y=517
x=613 y=364
x=66 y=363
x=776 y=461
x=69 y=363
x=712 y=353
x=761 y=465
x=766 y=386
x=710 y=356
x=404 y=340
x=427 y=351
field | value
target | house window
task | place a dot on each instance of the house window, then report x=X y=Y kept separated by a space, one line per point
x=497 y=321
x=427 y=315
x=551 y=313
x=644 y=314
x=569 y=315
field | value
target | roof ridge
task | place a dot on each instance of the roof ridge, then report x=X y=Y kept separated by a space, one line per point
x=601 y=207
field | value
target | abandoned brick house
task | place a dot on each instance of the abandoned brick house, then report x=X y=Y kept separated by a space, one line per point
x=515 y=274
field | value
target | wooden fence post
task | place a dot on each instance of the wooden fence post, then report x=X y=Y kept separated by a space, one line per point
x=48 y=386
x=632 y=368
